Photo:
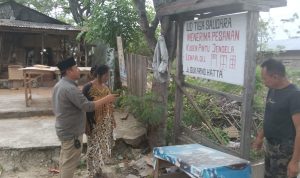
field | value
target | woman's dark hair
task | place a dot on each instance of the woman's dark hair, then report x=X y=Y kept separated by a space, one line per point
x=101 y=70
x=93 y=71
x=274 y=67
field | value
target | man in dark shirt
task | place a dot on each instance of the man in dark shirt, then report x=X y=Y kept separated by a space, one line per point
x=281 y=128
x=69 y=107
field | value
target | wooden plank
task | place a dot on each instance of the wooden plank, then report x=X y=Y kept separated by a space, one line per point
x=144 y=83
x=135 y=74
x=270 y=3
x=120 y=55
x=1 y=51
x=142 y=69
x=139 y=75
x=43 y=46
x=182 y=6
x=178 y=93
x=130 y=73
x=130 y=70
x=249 y=83
x=26 y=88
x=156 y=168
x=85 y=54
x=215 y=92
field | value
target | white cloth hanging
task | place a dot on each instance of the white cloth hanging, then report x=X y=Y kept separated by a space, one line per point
x=160 y=60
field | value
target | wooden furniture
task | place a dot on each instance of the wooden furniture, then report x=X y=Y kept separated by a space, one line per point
x=197 y=161
x=15 y=76
x=33 y=73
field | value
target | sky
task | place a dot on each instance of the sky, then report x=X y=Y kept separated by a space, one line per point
x=276 y=14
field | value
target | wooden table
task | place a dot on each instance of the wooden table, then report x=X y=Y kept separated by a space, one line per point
x=33 y=73
x=197 y=161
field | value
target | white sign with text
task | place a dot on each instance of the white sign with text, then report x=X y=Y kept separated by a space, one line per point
x=214 y=48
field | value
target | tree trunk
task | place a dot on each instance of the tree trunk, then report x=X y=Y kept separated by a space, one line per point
x=156 y=134
x=149 y=31
x=80 y=10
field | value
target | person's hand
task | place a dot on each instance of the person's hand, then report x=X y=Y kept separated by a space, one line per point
x=257 y=144
x=293 y=168
x=111 y=97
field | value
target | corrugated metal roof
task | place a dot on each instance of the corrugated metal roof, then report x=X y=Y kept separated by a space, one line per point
x=286 y=45
x=35 y=25
x=20 y=12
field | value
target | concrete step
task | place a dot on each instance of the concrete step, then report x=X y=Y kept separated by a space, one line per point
x=12 y=103
x=24 y=141
x=25 y=113
x=34 y=140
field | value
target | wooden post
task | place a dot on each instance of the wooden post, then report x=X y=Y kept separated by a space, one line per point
x=1 y=51
x=29 y=86
x=156 y=168
x=85 y=54
x=122 y=67
x=25 y=87
x=180 y=78
x=249 y=83
x=43 y=46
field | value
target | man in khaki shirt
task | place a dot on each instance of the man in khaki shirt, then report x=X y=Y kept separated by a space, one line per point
x=69 y=107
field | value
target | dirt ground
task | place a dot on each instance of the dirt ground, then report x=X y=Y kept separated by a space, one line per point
x=125 y=161
x=44 y=172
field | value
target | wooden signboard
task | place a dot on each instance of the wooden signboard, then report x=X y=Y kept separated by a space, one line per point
x=214 y=48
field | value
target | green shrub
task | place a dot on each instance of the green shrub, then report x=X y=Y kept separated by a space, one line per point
x=144 y=108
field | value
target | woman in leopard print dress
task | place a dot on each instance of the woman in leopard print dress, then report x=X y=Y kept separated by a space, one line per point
x=100 y=124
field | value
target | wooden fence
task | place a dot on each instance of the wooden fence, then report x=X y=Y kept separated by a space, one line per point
x=136 y=67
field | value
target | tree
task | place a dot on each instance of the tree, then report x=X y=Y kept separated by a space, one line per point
x=292 y=21
x=111 y=19
x=265 y=31
x=106 y=19
x=80 y=9
x=156 y=135
x=147 y=29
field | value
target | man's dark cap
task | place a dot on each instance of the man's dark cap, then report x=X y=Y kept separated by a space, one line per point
x=66 y=63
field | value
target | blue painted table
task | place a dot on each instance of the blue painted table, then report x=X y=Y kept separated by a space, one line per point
x=198 y=161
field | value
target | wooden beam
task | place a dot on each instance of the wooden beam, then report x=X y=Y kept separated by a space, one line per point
x=156 y=168
x=215 y=92
x=43 y=46
x=182 y=6
x=38 y=31
x=1 y=51
x=180 y=77
x=249 y=83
